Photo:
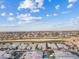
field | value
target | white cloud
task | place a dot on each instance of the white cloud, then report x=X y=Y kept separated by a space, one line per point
x=55 y=14
x=66 y=12
x=37 y=10
x=27 y=18
x=30 y=4
x=72 y=1
x=57 y=6
x=74 y=21
x=6 y=26
x=3 y=14
x=77 y=17
x=43 y=8
x=2 y=6
x=50 y=0
x=48 y=15
x=40 y=3
x=11 y=18
x=70 y=6
x=71 y=24
x=11 y=14
x=27 y=4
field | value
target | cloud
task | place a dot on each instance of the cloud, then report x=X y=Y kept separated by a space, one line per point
x=71 y=24
x=70 y=6
x=72 y=1
x=66 y=12
x=26 y=18
x=40 y=3
x=50 y=0
x=11 y=18
x=75 y=21
x=31 y=4
x=37 y=10
x=3 y=14
x=78 y=17
x=57 y=6
x=2 y=6
x=47 y=15
x=55 y=14
x=27 y=4
x=11 y=14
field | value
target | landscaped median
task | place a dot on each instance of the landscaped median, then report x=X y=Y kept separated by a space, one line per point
x=33 y=40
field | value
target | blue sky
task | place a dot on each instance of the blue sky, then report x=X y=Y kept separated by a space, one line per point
x=27 y=15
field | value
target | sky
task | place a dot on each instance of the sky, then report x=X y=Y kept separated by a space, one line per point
x=39 y=15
